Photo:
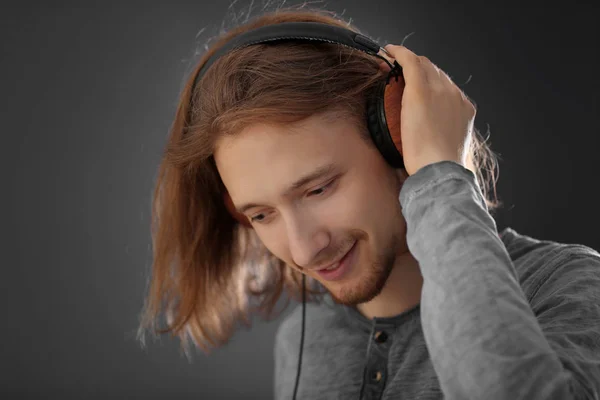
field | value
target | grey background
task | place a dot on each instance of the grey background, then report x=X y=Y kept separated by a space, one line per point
x=88 y=92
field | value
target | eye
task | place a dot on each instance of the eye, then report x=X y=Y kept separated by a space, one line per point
x=257 y=218
x=261 y=218
x=319 y=191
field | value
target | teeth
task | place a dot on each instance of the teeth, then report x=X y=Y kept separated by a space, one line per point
x=334 y=266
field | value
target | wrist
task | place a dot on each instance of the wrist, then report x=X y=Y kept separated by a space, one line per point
x=433 y=159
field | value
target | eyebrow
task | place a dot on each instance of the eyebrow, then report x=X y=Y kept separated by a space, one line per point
x=302 y=181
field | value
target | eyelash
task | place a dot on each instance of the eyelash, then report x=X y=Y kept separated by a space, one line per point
x=323 y=188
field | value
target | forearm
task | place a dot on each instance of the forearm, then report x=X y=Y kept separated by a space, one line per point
x=483 y=338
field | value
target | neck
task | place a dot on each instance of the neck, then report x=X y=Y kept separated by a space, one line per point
x=401 y=292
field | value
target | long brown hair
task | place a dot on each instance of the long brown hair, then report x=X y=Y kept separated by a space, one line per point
x=209 y=272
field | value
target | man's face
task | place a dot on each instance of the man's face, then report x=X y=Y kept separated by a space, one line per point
x=353 y=204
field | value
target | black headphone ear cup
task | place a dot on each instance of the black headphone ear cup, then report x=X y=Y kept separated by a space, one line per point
x=383 y=120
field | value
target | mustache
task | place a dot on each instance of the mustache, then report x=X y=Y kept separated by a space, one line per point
x=339 y=250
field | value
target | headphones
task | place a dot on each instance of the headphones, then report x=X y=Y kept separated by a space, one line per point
x=383 y=109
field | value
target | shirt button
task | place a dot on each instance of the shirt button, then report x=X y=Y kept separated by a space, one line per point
x=376 y=376
x=380 y=336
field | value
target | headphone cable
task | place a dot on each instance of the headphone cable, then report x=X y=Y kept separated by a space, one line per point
x=301 y=335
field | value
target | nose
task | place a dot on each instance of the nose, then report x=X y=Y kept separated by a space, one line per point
x=306 y=239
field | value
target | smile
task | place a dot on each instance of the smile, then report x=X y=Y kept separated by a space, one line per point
x=341 y=268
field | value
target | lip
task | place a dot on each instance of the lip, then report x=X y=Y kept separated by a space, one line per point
x=345 y=264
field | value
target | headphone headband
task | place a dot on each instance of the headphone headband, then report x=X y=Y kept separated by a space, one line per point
x=296 y=31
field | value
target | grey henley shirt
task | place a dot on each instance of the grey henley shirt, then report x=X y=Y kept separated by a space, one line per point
x=502 y=316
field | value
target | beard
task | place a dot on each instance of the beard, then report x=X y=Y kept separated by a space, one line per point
x=371 y=279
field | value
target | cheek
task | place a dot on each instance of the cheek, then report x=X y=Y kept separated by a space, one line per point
x=274 y=241
x=364 y=203
x=378 y=208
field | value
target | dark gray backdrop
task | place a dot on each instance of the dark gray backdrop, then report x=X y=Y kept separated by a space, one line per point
x=88 y=92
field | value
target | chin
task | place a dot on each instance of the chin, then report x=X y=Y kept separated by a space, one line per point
x=363 y=288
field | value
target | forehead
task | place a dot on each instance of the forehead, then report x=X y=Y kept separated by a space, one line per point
x=263 y=159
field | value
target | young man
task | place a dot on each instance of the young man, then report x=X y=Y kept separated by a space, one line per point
x=424 y=298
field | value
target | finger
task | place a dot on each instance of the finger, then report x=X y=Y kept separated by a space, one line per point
x=438 y=79
x=435 y=76
x=410 y=63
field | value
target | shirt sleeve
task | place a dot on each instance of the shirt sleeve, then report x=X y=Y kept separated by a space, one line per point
x=484 y=338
